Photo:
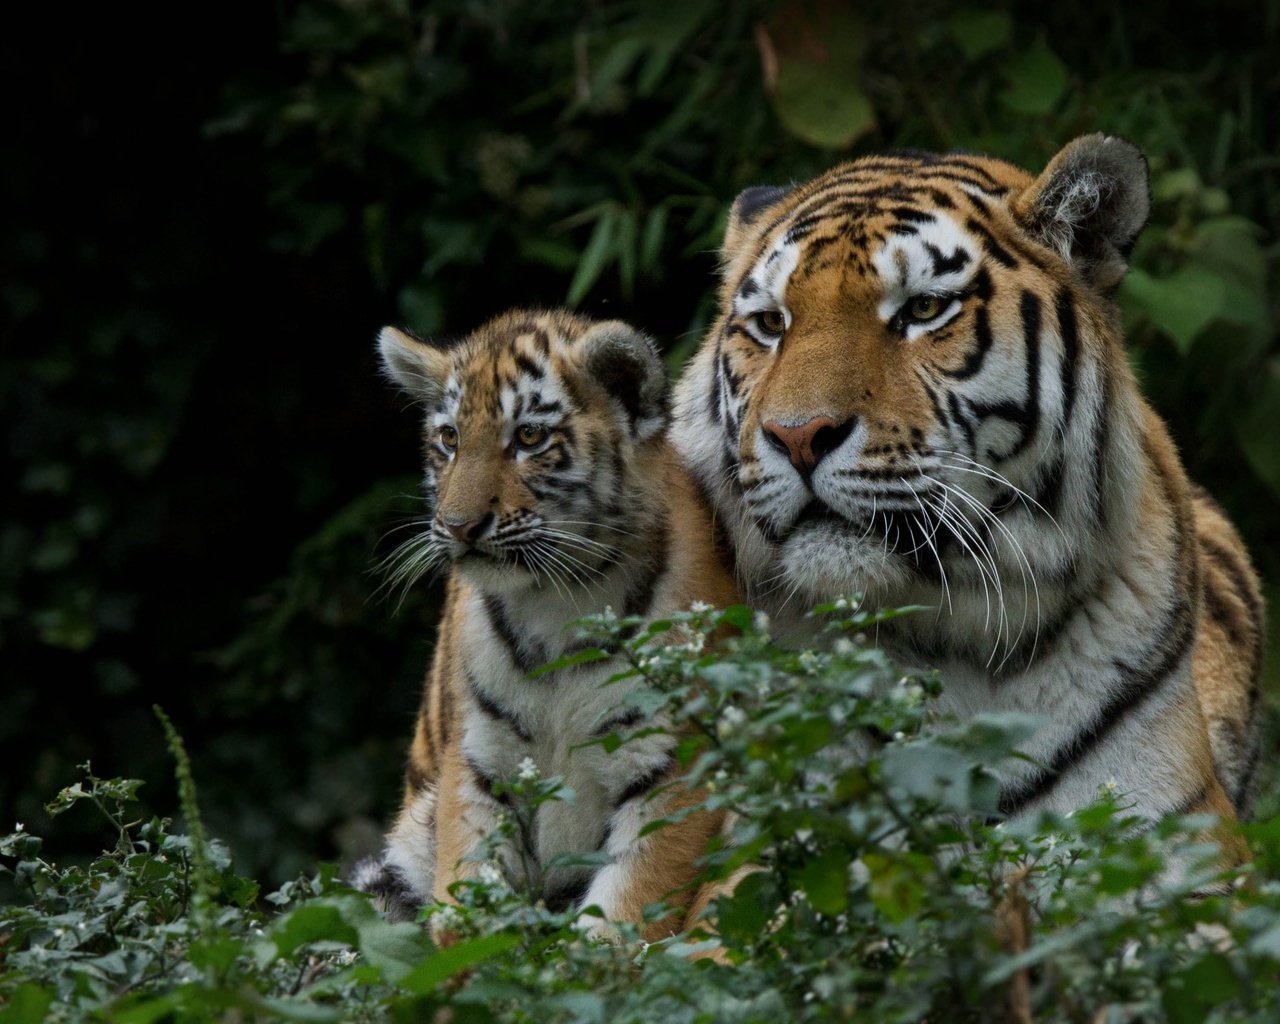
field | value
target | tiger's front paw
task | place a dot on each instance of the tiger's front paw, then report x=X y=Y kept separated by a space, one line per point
x=392 y=892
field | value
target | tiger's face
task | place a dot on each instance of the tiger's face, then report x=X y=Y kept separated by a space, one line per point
x=532 y=426
x=897 y=363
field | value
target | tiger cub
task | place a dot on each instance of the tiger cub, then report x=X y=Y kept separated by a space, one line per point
x=554 y=495
x=918 y=390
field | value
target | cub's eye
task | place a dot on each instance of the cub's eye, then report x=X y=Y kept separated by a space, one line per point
x=770 y=322
x=530 y=436
x=448 y=438
x=924 y=308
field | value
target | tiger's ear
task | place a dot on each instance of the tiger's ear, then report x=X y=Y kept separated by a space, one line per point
x=747 y=211
x=1089 y=204
x=417 y=367
x=626 y=364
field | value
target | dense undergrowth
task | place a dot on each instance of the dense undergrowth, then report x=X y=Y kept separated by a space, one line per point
x=888 y=891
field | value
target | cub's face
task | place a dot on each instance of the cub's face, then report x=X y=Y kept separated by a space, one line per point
x=900 y=354
x=531 y=428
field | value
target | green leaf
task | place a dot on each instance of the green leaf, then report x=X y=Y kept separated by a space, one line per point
x=1229 y=247
x=745 y=915
x=583 y=657
x=980 y=32
x=26 y=1005
x=931 y=771
x=595 y=257
x=313 y=922
x=1181 y=305
x=818 y=95
x=825 y=880
x=1195 y=991
x=655 y=227
x=448 y=962
x=1036 y=79
x=820 y=105
x=421 y=306
x=627 y=252
x=395 y=948
x=1256 y=427
x=896 y=888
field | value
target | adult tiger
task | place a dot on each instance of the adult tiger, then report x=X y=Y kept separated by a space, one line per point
x=917 y=390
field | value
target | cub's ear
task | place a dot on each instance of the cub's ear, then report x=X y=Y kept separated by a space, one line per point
x=1089 y=204
x=747 y=212
x=417 y=367
x=626 y=364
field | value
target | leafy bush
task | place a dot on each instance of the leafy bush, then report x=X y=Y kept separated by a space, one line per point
x=884 y=890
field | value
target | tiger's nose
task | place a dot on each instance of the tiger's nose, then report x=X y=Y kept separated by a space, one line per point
x=467 y=530
x=806 y=444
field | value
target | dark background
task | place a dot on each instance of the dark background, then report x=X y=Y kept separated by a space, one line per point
x=206 y=220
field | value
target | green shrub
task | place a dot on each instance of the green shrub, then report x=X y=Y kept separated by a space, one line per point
x=885 y=890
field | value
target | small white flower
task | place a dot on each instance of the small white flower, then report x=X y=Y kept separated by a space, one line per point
x=843 y=646
x=699 y=607
x=842 y=604
x=761 y=622
x=899 y=736
x=860 y=638
x=1111 y=786
x=527 y=771
x=809 y=661
x=347 y=957
x=731 y=720
x=489 y=874
x=447 y=918
x=17 y=826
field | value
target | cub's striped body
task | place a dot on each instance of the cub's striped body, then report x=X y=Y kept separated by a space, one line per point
x=555 y=495
x=916 y=390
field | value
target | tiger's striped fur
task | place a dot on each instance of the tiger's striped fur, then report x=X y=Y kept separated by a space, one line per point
x=917 y=390
x=596 y=512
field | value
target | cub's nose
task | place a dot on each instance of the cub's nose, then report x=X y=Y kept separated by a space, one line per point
x=806 y=444
x=468 y=530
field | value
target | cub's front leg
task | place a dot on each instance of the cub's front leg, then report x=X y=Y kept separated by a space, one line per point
x=657 y=866
x=466 y=814
x=402 y=878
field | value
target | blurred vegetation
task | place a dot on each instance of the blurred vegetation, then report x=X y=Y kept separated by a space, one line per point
x=203 y=240
x=880 y=889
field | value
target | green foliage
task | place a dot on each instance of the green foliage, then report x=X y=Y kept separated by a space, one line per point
x=879 y=888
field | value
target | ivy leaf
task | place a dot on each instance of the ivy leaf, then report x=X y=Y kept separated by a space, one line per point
x=448 y=962
x=1181 y=305
x=812 y=63
x=980 y=32
x=1255 y=428
x=825 y=881
x=1037 y=79
x=27 y=1004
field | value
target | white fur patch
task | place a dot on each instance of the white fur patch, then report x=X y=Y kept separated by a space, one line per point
x=907 y=266
x=766 y=288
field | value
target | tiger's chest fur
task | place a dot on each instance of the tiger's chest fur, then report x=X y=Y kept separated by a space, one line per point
x=553 y=724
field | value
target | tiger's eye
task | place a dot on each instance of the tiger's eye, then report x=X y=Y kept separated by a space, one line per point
x=771 y=321
x=530 y=436
x=924 y=307
x=448 y=438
